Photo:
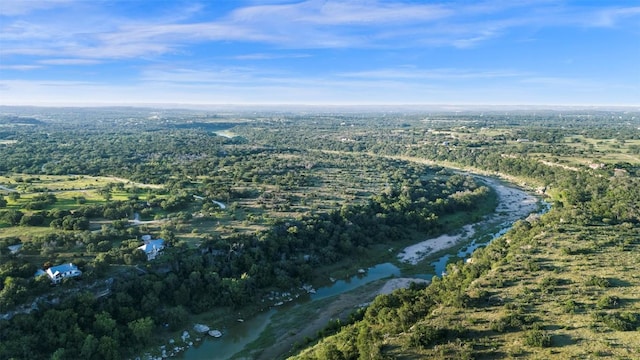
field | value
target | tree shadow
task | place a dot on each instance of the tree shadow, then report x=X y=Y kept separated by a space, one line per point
x=618 y=283
x=561 y=340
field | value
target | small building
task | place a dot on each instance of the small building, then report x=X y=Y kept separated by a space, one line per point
x=59 y=272
x=14 y=249
x=152 y=248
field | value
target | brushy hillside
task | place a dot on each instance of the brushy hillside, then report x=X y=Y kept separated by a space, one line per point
x=564 y=285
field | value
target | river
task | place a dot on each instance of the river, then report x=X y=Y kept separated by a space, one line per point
x=513 y=204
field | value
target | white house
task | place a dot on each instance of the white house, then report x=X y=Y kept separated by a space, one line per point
x=57 y=273
x=152 y=248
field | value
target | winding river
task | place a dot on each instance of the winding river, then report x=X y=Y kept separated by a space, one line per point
x=513 y=204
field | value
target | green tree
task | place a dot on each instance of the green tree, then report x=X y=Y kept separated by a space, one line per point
x=108 y=349
x=142 y=329
x=104 y=324
x=176 y=317
x=59 y=354
x=12 y=217
x=89 y=347
x=105 y=192
x=330 y=352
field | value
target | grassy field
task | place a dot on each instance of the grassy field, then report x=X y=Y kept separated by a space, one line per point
x=70 y=193
x=68 y=188
x=24 y=231
x=64 y=182
x=594 y=151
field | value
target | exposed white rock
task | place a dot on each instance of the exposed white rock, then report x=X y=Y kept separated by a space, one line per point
x=200 y=328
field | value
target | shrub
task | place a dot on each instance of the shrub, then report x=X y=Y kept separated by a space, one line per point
x=608 y=302
x=513 y=321
x=425 y=336
x=570 y=306
x=537 y=338
x=620 y=322
x=548 y=283
x=598 y=281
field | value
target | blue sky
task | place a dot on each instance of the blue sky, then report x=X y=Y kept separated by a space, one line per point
x=508 y=52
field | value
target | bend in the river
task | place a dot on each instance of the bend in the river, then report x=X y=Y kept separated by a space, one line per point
x=514 y=203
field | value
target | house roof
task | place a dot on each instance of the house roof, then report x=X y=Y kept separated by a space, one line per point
x=62 y=268
x=152 y=245
x=39 y=272
x=14 y=248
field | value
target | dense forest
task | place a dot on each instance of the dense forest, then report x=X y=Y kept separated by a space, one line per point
x=304 y=195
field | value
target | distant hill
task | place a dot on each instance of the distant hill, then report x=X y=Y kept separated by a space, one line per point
x=18 y=120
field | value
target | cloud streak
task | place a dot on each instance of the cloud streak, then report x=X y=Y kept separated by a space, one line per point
x=273 y=56
x=18 y=7
x=69 y=62
x=361 y=51
x=310 y=24
x=435 y=74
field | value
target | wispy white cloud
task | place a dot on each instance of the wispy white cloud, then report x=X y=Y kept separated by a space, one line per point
x=576 y=84
x=350 y=13
x=69 y=62
x=216 y=86
x=436 y=74
x=283 y=89
x=294 y=25
x=203 y=53
x=21 y=7
x=24 y=30
x=474 y=39
x=383 y=85
x=19 y=67
x=612 y=16
x=238 y=75
x=270 y=56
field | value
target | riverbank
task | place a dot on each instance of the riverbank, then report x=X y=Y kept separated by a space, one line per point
x=305 y=321
x=298 y=323
x=513 y=204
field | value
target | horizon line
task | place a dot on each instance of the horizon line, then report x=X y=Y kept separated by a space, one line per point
x=202 y=106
